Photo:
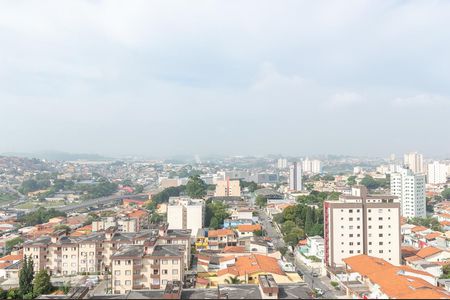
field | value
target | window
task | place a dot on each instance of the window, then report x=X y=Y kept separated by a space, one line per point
x=164 y=271
x=350 y=219
x=381 y=251
x=380 y=227
x=370 y=210
x=174 y=272
x=350 y=227
x=174 y=262
x=116 y=282
x=370 y=226
x=350 y=210
x=164 y=261
x=127 y=272
x=370 y=243
x=351 y=251
x=117 y=272
x=127 y=282
x=164 y=282
x=370 y=219
x=380 y=235
x=350 y=243
x=350 y=235
x=380 y=243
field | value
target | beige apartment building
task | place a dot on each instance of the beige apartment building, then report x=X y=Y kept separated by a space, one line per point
x=228 y=188
x=94 y=253
x=362 y=224
x=138 y=267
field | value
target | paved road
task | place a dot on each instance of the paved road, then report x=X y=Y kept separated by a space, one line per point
x=314 y=282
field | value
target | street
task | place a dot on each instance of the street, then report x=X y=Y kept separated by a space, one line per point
x=322 y=282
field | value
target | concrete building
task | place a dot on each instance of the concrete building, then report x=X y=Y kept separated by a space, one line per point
x=414 y=161
x=410 y=189
x=228 y=188
x=295 y=177
x=437 y=173
x=312 y=166
x=186 y=213
x=282 y=163
x=362 y=224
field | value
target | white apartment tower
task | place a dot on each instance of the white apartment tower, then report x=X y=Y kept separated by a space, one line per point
x=186 y=213
x=362 y=224
x=282 y=163
x=414 y=161
x=295 y=177
x=410 y=189
x=316 y=166
x=437 y=173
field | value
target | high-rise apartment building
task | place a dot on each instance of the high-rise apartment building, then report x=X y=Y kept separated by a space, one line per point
x=312 y=166
x=414 y=161
x=186 y=213
x=410 y=188
x=228 y=188
x=437 y=173
x=362 y=224
x=282 y=163
x=295 y=177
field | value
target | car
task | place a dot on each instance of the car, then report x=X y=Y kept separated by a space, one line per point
x=314 y=274
x=300 y=273
x=319 y=292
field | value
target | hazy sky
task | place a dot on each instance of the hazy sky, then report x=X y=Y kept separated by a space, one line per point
x=228 y=77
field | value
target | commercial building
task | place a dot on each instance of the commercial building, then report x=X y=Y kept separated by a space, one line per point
x=186 y=213
x=295 y=177
x=437 y=173
x=228 y=188
x=414 y=161
x=362 y=224
x=410 y=189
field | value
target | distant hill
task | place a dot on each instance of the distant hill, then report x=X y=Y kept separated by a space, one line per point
x=63 y=156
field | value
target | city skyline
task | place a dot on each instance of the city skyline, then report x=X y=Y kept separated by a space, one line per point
x=352 y=78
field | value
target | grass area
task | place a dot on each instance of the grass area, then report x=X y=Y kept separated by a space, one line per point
x=7 y=197
x=33 y=204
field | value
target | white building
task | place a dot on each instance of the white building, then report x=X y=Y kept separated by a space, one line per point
x=312 y=166
x=186 y=213
x=362 y=224
x=282 y=163
x=228 y=188
x=295 y=177
x=414 y=161
x=437 y=173
x=410 y=188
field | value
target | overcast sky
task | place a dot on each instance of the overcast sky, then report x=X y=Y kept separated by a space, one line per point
x=230 y=77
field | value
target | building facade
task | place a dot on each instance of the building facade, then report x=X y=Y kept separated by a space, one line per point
x=228 y=188
x=414 y=161
x=410 y=189
x=295 y=177
x=186 y=213
x=362 y=224
x=437 y=173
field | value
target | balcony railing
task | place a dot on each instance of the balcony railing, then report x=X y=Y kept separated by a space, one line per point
x=154 y=286
x=154 y=266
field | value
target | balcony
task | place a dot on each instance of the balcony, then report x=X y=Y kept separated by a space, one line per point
x=154 y=266
x=138 y=267
x=154 y=287
x=138 y=286
x=138 y=276
x=155 y=276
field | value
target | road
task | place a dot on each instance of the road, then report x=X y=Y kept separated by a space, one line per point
x=322 y=283
x=98 y=201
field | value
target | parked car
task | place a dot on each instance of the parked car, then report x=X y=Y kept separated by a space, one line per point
x=314 y=274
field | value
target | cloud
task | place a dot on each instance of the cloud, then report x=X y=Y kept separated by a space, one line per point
x=421 y=100
x=345 y=99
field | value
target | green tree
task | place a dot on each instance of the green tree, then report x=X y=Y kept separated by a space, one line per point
x=9 y=245
x=233 y=280
x=196 y=188
x=62 y=227
x=351 y=180
x=258 y=233
x=446 y=194
x=42 y=284
x=294 y=236
x=214 y=224
x=3 y=293
x=261 y=201
x=26 y=276
x=282 y=250
x=13 y=293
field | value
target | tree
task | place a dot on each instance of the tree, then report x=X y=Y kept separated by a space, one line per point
x=214 y=223
x=13 y=293
x=282 y=250
x=62 y=227
x=446 y=194
x=3 y=293
x=196 y=188
x=351 y=180
x=370 y=183
x=294 y=236
x=233 y=280
x=258 y=233
x=42 y=284
x=261 y=201
x=26 y=276
x=40 y=216
x=9 y=245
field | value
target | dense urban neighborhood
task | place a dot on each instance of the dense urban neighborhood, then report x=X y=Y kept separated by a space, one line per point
x=247 y=227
